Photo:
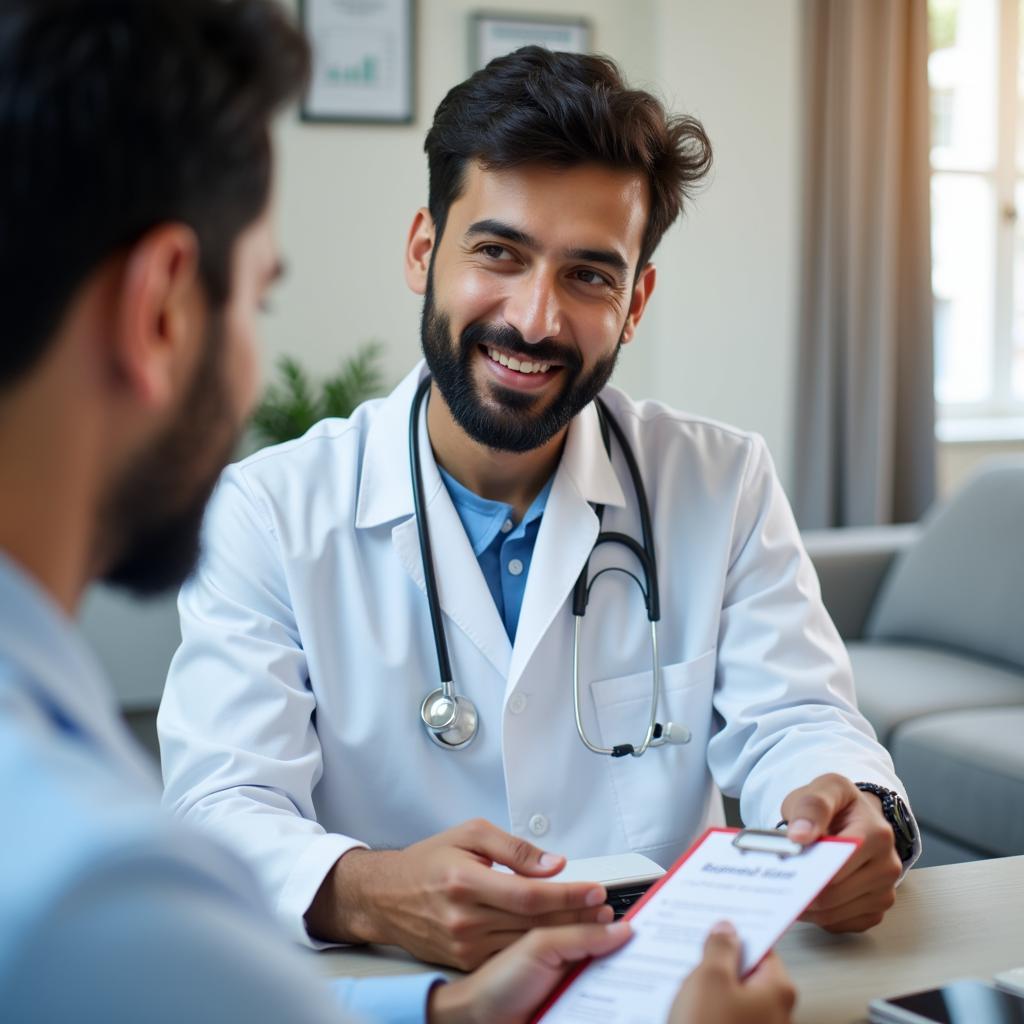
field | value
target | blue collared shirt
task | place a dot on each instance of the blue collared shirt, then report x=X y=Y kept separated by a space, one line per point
x=109 y=911
x=503 y=549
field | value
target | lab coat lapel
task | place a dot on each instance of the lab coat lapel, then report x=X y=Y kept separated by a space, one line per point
x=386 y=495
x=465 y=598
x=567 y=533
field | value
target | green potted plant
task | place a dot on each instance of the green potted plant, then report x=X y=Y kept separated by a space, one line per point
x=294 y=402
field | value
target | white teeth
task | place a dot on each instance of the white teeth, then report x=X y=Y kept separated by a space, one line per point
x=515 y=364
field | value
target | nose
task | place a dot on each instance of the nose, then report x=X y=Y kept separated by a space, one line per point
x=533 y=308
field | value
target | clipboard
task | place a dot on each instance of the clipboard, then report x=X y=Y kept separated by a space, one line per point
x=755 y=869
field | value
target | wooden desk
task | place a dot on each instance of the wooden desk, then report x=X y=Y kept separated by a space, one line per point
x=964 y=920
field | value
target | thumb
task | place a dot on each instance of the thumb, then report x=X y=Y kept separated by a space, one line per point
x=809 y=810
x=722 y=951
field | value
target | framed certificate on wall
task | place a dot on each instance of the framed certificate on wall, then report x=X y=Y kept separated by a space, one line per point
x=363 y=60
x=494 y=34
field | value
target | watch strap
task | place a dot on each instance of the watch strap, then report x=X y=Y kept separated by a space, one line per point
x=895 y=812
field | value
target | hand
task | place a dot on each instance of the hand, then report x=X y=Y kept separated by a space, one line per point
x=865 y=888
x=441 y=900
x=511 y=986
x=714 y=991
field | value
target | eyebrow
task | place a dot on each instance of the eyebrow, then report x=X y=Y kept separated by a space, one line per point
x=498 y=229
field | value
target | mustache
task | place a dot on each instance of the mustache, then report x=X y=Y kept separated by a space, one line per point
x=508 y=339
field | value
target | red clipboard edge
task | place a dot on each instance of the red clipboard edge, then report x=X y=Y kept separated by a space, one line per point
x=633 y=910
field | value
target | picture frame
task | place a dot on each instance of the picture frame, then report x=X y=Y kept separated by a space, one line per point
x=364 y=66
x=494 y=33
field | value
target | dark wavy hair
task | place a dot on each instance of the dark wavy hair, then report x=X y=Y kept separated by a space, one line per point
x=117 y=116
x=564 y=109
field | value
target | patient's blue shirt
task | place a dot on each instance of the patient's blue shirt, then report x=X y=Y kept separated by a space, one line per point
x=109 y=910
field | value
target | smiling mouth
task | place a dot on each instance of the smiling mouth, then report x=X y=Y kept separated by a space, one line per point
x=523 y=366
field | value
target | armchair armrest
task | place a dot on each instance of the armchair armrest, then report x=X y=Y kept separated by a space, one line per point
x=851 y=565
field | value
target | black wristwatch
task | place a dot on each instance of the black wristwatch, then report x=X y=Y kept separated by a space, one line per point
x=896 y=813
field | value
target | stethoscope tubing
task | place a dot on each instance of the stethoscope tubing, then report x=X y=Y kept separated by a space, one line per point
x=444 y=666
x=438 y=727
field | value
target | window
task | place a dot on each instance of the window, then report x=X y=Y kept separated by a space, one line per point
x=976 y=77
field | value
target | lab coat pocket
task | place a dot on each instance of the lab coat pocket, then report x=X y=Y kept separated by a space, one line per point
x=662 y=796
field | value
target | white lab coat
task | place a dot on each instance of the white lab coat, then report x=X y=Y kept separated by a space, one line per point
x=290 y=723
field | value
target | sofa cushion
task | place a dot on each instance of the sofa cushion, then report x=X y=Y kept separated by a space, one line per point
x=961 y=586
x=899 y=682
x=964 y=773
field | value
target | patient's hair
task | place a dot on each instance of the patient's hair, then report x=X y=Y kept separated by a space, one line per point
x=120 y=115
x=564 y=109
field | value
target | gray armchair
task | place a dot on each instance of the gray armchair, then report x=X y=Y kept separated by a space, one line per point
x=933 y=616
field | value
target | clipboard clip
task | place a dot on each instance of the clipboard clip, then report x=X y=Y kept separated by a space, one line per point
x=758 y=840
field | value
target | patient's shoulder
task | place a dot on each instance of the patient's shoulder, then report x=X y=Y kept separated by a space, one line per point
x=72 y=824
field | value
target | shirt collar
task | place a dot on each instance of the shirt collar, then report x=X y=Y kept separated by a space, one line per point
x=385 y=489
x=48 y=656
x=484 y=517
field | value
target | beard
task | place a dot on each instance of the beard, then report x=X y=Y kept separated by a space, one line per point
x=505 y=419
x=154 y=516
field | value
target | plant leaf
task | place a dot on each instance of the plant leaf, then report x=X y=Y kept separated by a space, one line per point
x=292 y=404
x=359 y=378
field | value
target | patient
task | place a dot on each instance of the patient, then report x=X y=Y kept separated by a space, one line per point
x=136 y=247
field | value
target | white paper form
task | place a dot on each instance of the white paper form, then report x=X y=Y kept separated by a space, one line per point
x=760 y=893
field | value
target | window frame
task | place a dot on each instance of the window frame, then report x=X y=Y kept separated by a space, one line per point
x=1002 y=414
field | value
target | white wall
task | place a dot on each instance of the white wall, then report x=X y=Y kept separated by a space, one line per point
x=726 y=320
x=720 y=334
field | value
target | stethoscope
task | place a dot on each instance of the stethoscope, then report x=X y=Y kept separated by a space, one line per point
x=451 y=720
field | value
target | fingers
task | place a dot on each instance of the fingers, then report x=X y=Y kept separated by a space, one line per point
x=523 y=897
x=810 y=809
x=503 y=921
x=855 y=925
x=481 y=837
x=770 y=984
x=769 y=972
x=557 y=947
x=881 y=873
x=861 y=894
x=549 y=947
x=472 y=945
x=722 y=951
x=867 y=910
x=869 y=891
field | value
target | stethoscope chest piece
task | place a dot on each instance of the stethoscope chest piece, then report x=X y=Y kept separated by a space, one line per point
x=451 y=721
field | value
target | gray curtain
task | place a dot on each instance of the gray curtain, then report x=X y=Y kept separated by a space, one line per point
x=866 y=415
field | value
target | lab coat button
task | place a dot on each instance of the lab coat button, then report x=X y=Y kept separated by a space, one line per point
x=538 y=824
x=517 y=703
x=506 y=526
x=515 y=566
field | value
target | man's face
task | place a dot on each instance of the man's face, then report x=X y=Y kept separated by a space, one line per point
x=157 y=507
x=529 y=295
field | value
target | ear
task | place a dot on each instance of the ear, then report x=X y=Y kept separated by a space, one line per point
x=642 y=291
x=161 y=315
x=419 y=247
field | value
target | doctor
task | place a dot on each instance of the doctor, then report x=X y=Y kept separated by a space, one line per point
x=441 y=540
